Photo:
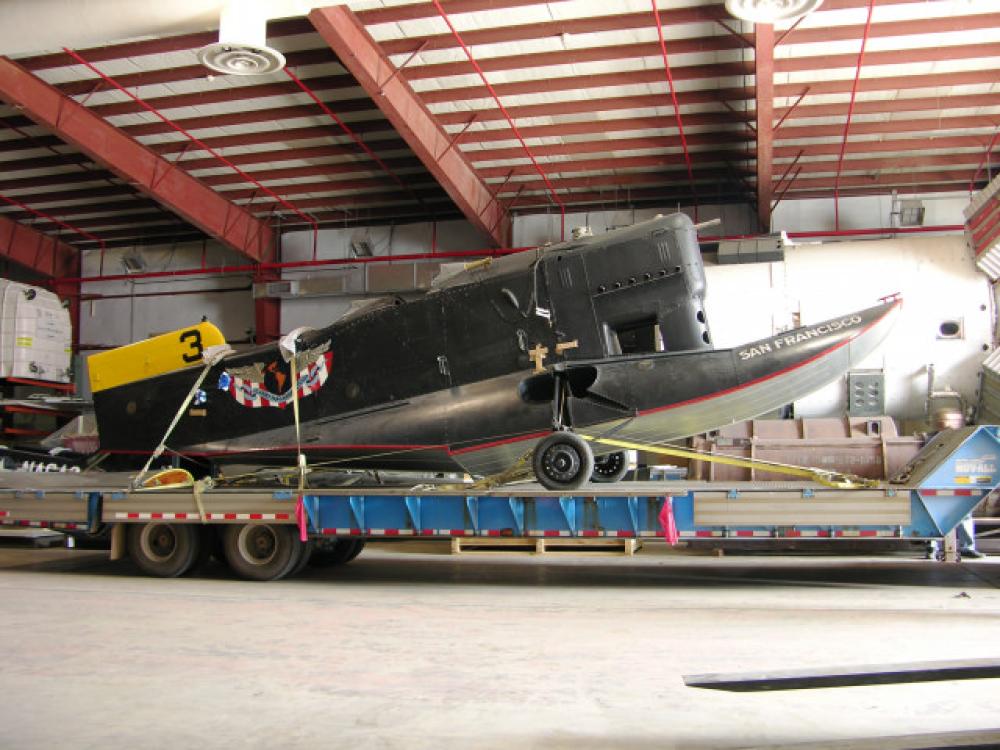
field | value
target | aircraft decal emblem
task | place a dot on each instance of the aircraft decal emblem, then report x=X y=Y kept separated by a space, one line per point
x=261 y=385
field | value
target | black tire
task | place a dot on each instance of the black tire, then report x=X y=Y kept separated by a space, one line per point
x=329 y=553
x=610 y=468
x=307 y=551
x=359 y=546
x=262 y=551
x=563 y=461
x=166 y=550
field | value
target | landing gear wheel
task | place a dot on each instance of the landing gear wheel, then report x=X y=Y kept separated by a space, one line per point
x=610 y=468
x=262 y=551
x=563 y=461
x=337 y=552
x=167 y=550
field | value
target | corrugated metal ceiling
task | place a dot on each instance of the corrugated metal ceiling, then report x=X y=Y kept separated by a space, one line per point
x=586 y=83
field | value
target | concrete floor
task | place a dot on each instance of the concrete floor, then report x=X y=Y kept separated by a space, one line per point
x=409 y=651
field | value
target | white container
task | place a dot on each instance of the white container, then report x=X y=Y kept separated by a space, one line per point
x=35 y=334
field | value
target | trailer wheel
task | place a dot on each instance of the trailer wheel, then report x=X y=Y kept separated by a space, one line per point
x=610 y=468
x=167 y=550
x=359 y=546
x=563 y=461
x=304 y=558
x=336 y=552
x=262 y=551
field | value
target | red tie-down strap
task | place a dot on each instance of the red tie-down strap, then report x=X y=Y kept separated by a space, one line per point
x=301 y=519
x=667 y=522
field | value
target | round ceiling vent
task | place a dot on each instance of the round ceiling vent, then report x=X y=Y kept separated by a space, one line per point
x=769 y=11
x=240 y=60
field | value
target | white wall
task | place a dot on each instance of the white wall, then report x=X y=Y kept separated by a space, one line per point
x=935 y=276
x=869 y=212
x=115 y=322
x=538 y=229
x=405 y=239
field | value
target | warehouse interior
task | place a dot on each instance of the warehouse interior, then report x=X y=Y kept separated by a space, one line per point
x=268 y=169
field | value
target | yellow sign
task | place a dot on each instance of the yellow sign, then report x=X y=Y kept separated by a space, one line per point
x=144 y=359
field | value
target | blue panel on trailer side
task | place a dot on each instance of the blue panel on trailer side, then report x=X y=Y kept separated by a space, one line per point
x=613 y=514
x=545 y=514
x=958 y=484
x=443 y=512
x=386 y=512
x=504 y=515
x=972 y=465
x=684 y=512
x=336 y=511
x=922 y=524
x=945 y=512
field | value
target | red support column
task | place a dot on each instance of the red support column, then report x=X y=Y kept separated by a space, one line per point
x=266 y=310
x=139 y=166
x=764 y=77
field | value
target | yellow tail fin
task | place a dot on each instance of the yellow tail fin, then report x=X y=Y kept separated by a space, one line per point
x=155 y=356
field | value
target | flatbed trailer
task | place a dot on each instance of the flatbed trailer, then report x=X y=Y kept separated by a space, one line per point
x=268 y=533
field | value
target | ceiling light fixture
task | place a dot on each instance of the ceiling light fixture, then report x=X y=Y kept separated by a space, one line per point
x=770 y=11
x=242 y=47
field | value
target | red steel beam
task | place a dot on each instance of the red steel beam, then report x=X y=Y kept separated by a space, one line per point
x=343 y=82
x=708 y=73
x=382 y=130
x=589 y=25
x=567 y=57
x=410 y=11
x=982 y=163
x=41 y=253
x=346 y=35
x=130 y=160
x=275 y=29
x=576 y=55
x=857 y=162
x=937 y=53
x=604 y=128
x=764 y=79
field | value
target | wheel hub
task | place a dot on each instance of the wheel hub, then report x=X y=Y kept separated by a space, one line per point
x=258 y=544
x=158 y=542
x=562 y=462
x=608 y=465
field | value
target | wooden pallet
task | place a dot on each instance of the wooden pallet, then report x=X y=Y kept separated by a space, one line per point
x=544 y=545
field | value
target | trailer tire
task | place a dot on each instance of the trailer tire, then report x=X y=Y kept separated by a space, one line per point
x=336 y=552
x=563 y=461
x=166 y=550
x=610 y=468
x=304 y=558
x=359 y=546
x=262 y=551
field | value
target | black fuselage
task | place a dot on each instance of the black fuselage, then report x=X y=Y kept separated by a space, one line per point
x=638 y=289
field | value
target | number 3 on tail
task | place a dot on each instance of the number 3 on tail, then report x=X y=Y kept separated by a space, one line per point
x=194 y=336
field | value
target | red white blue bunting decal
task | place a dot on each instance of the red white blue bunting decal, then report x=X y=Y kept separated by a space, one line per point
x=267 y=385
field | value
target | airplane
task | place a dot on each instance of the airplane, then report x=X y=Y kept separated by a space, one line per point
x=504 y=360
